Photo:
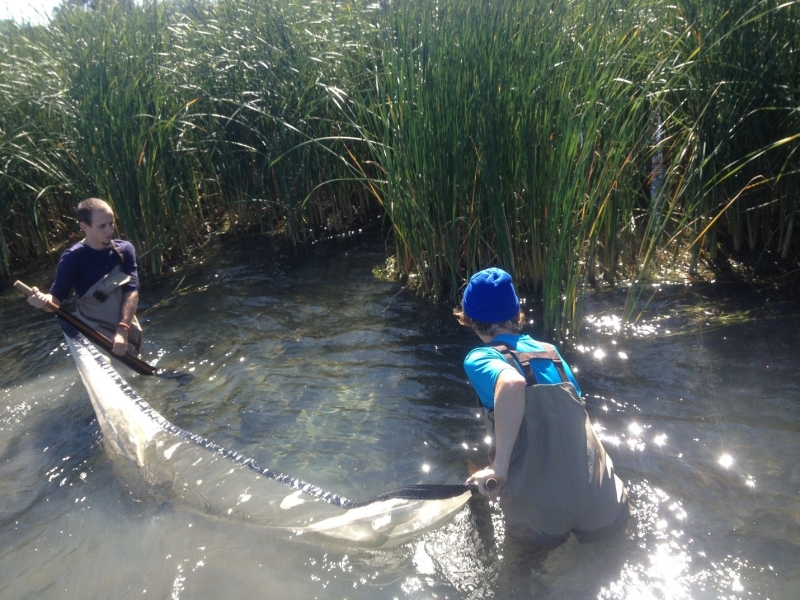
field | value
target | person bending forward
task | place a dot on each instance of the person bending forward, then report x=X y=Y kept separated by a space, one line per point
x=548 y=468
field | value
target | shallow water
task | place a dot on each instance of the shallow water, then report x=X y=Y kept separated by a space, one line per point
x=315 y=368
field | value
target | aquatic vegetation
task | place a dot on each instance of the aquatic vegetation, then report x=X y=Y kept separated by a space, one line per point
x=188 y=120
x=575 y=143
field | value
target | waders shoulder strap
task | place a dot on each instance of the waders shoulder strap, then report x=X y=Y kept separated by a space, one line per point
x=118 y=253
x=522 y=360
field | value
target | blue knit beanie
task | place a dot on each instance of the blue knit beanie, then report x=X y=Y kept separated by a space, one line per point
x=490 y=297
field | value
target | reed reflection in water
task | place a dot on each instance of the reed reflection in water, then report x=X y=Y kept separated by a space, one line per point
x=315 y=368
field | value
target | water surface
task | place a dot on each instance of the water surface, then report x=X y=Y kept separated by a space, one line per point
x=314 y=367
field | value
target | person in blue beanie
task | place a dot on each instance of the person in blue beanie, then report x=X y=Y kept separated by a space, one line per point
x=548 y=468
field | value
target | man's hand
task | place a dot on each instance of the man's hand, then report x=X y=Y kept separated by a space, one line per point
x=120 y=342
x=40 y=300
x=488 y=481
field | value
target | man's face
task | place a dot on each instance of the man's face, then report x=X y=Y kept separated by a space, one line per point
x=101 y=231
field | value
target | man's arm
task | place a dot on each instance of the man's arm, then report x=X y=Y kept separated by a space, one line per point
x=62 y=285
x=129 y=303
x=509 y=408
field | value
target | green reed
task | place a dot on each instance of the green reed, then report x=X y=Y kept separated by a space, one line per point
x=731 y=134
x=529 y=135
x=575 y=143
x=516 y=133
x=33 y=143
x=189 y=119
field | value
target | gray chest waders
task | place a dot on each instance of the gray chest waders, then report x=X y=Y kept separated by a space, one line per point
x=560 y=479
x=101 y=308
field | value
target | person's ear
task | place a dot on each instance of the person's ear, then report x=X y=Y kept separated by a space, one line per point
x=83 y=227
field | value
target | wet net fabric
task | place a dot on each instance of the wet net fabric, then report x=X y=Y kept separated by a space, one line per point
x=187 y=468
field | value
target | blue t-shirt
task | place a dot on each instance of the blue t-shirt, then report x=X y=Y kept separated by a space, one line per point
x=80 y=267
x=483 y=365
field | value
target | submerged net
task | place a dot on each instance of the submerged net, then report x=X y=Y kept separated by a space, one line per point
x=186 y=467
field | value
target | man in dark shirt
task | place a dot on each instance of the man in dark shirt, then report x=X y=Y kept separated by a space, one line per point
x=103 y=273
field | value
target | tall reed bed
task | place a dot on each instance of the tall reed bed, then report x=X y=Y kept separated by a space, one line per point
x=189 y=118
x=575 y=140
x=572 y=142
x=34 y=146
x=725 y=151
x=738 y=103
x=512 y=133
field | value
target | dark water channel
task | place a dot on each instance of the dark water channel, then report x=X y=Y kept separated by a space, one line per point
x=318 y=369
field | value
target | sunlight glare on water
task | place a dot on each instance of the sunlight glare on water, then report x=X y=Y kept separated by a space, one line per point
x=357 y=386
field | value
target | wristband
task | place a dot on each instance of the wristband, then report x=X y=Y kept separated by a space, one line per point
x=125 y=326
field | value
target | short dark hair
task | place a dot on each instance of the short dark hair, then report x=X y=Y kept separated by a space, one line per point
x=516 y=324
x=85 y=208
